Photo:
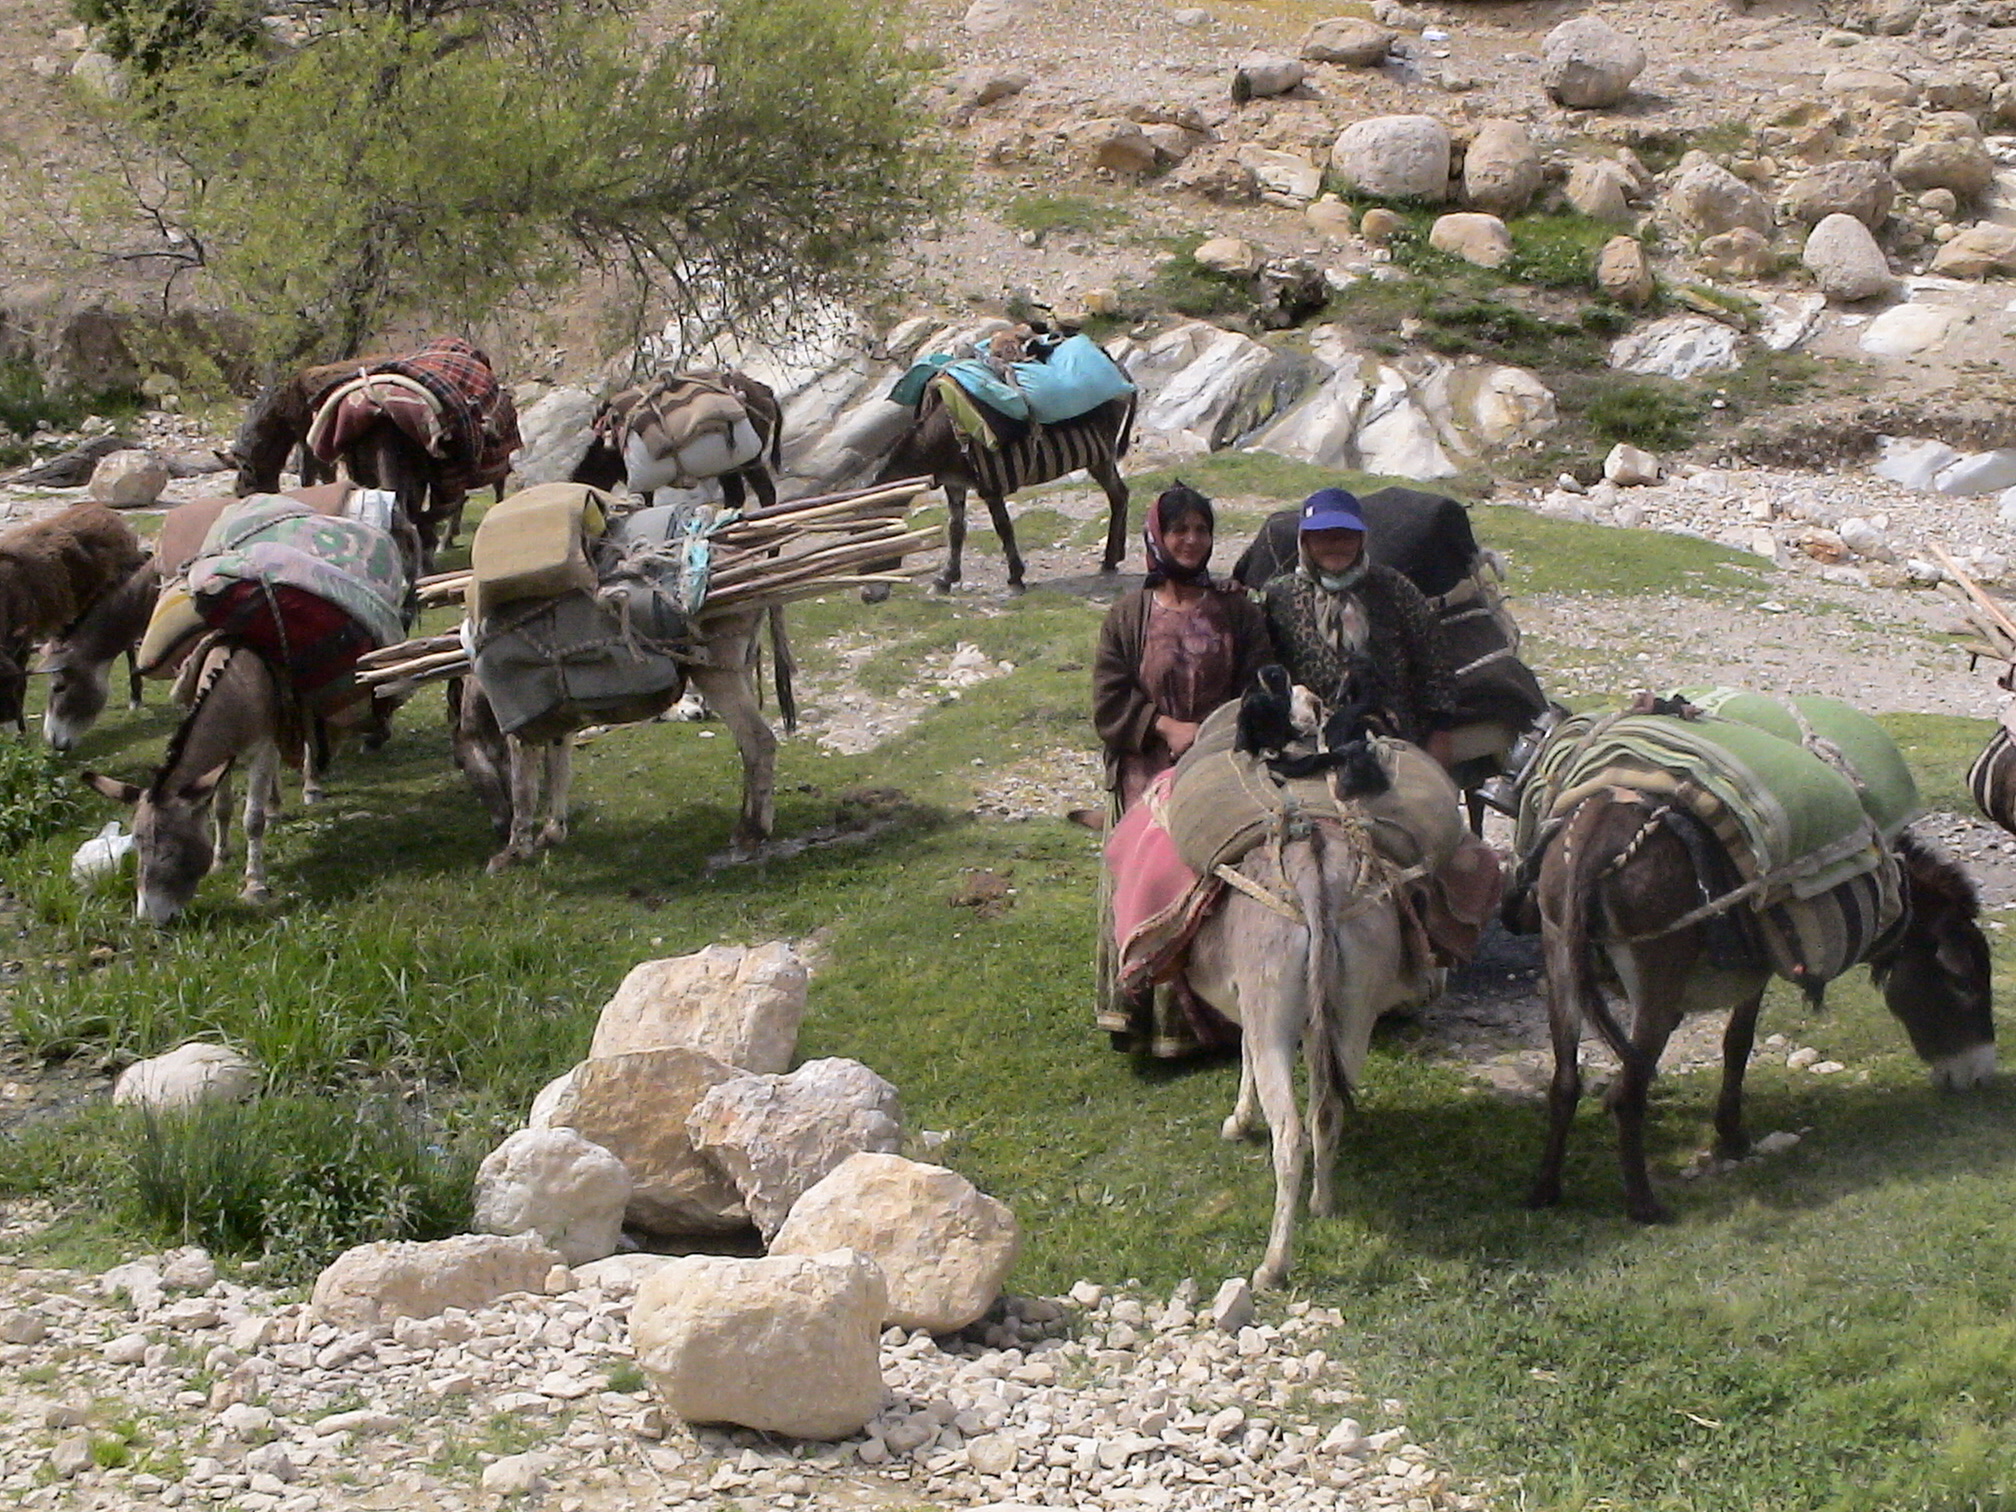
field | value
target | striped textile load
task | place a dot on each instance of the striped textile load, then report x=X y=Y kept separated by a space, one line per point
x=1992 y=779
x=1808 y=834
x=1046 y=453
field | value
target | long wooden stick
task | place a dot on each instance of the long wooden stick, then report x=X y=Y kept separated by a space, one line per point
x=1993 y=623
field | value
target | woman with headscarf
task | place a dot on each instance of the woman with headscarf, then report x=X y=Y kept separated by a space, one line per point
x=1339 y=615
x=1170 y=652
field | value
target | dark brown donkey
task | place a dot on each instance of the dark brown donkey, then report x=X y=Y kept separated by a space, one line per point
x=1617 y=881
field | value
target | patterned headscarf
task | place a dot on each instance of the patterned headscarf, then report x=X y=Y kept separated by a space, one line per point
x=1171 y=505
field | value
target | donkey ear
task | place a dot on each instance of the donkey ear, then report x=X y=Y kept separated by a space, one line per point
x=204 y=786
x=118 y=792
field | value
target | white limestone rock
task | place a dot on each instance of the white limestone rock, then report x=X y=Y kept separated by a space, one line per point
x=1905 y=330
x=1264 y=74
x=635 y=1107
x=187 y=1075
x=131 y=479
x=986 y=17
x=1912 y=461
x=740 y=1004
x=1678 y=347
x=778 y=1136
x=1630 y=467
x=555 y=436
x=1286 y=177
x=785 y=1344
x=375 y=1283
x=1624 y=272
x=943 y=1245
x=1589 y=63
x=1600 y=188
x=1394 y=157
x=554 y=1183
x=1978 y=473
x=1846 y=263
x=1229 y=254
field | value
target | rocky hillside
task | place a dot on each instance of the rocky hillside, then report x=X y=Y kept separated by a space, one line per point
x=1769 y=234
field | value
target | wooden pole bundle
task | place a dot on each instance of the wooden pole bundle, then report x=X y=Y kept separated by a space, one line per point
x=1983 y=612
x=843 y=540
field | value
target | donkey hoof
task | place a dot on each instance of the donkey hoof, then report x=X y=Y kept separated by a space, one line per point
x=1017 y=587
x=875 y=593
x=553 y=834
x=942 y=585
x=1544 y=1194
x=502 y=862
x=1269 y=1276
x=256 y=892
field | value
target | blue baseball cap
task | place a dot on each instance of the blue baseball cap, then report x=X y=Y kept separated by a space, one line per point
x=1332 y=509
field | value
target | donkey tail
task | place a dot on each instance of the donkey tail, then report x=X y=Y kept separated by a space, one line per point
x=784 y=668
x=1571 y=945
x=1305 y=870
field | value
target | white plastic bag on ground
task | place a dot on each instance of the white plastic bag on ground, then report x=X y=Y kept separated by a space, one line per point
x=101 y=856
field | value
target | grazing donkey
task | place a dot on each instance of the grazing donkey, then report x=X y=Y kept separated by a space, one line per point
x=182 y=818
x=52 y=571
x=1620 y=880
x=79 y=661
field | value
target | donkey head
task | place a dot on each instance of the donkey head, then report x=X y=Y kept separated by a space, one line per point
x=1936 y=979
x=172 y=839
x=78 y=688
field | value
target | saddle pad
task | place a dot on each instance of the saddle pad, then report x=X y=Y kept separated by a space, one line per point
x=1779 y=811
x=1075 y=379
x=664 y=416
x=313 y=643
x=352 y=407
x=534 y=545
x=275 y=540
x=1840 y=734
x=171 y=631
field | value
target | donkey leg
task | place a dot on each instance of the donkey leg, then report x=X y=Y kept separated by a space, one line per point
x=559 y=761
x=1732 y=1140
x=997 y=511
x=1563 y=1093
x=1274 y=1074
x=526 y=770
x=955 y=537
x=1626 y=1099
x=262 y=796
x=1109 y=479
x=220 y=819
x=1240 y=1122
x=729 y=694
x=133 y=677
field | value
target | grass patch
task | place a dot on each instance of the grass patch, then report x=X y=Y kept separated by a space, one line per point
x=1651 y=413
x=1184 y=285
x=26 y=404
x=1064 y=214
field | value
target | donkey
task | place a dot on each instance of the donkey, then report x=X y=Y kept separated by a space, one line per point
x=604 y=466
x=182 y=817
x=1308 y=953
x=79 y=661
x=1617 y=884
x=275 y=428
x=1094 y=441
x=524 y=783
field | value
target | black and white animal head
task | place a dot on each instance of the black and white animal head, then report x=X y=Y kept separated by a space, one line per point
x=1267 y=713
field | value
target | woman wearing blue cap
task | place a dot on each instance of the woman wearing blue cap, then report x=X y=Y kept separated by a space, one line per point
x=1339 y=614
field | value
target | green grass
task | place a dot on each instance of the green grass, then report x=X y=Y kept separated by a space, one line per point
x=26 y=402
x=1828 y=1328
x=1064 y=214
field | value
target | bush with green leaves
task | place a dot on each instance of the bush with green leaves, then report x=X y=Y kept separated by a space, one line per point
x=153 y=36
x=39 y=795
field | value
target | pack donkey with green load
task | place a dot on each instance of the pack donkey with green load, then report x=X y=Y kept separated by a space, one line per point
x=1692 y=847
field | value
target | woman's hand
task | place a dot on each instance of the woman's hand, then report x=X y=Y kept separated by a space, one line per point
x=1178 y=734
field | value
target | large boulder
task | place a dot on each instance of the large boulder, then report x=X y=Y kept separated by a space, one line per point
x=1600 y=188
x=1231 y=255
x=1501 y=169
x=1977 y=251
x=1349 y=41
x=1710 y=199
x=1394 y=157
x=1624 y=272
x=1264 y=74
x=1589 y=65
x=1853 y=186
x=554 y=1183
x=778 y=1136
x=187 y=1075
x=635 y=1107
x=1846 y=263
x=944 y=1246
x=555 y=436
x=740 y=1004
x=1285 y=178
x=1204 y=388
x=375 y=1283
x=1947 y=153
x=131 y=479
x=1473 y=236
x=985 y=17
x=1115 y=143
x=785 y=1344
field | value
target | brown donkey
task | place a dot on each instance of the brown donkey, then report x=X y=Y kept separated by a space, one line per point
x=1620 y=885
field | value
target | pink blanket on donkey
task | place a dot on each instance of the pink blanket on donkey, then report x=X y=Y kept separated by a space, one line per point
x=1158 y=902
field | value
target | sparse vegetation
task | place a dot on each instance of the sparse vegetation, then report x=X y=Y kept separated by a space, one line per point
x=26 y=404
x=1651 y=413
x=1182 y=284
x=1055 y=214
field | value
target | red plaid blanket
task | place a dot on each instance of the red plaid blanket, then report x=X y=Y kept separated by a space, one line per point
x=481 y=421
